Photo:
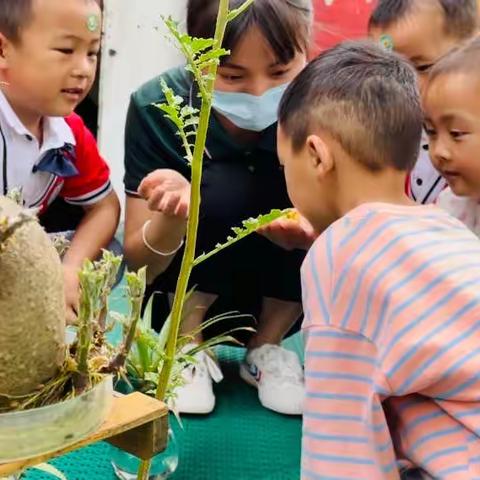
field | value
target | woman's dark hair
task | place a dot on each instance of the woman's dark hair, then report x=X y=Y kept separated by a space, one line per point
x=286 y=24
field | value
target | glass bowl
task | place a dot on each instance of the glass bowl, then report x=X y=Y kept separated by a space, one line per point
x=44 y=430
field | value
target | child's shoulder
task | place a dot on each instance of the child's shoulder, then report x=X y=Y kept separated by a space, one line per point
x=378 y=255
x=75 y=122
x=466 y=210
x=84 y=138
x=371 y=229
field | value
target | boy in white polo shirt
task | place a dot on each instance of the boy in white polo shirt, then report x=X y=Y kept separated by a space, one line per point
x=48 y=59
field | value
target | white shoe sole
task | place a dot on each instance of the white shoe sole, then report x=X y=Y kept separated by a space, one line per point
x=196 y=411
x=247 y=377
x=193 y=410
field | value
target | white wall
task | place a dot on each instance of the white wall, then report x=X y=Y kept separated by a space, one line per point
x=134 y=50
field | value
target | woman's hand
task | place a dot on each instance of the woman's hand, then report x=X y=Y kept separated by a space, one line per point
x=166 y=191
x=290 y=233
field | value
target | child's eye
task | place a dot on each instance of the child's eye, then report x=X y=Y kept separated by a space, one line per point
x=231 y=78
x=93 y=54
x=280 y=73
x=424 y=68
x=457 y=134
x=429 y=131
x=65 y=51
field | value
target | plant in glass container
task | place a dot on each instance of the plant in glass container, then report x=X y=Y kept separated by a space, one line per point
x=53 y=394
x=203 y=56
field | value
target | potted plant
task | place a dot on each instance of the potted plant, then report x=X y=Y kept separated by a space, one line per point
x=202 y=59
x=53 y=394
x=31 y=268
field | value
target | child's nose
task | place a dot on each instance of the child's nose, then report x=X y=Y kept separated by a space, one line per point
x=83 y=67
x=440 y=151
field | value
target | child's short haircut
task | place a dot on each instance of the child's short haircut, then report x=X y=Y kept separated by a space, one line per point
x=461 y=60
x=460 y=16
x=16 y=15
x=365 y=97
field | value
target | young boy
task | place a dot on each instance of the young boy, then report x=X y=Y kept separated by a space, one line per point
x=423 y=31
x=48 y=59
x=391 y=295
x=452 y=109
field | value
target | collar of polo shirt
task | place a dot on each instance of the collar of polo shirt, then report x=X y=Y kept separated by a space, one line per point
x=22 y=152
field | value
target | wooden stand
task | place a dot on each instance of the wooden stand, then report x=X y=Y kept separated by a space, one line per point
x=137 y=424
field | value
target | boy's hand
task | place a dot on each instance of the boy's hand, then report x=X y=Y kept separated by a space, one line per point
x=166 y=191
x=72 y=294
x=290 y=234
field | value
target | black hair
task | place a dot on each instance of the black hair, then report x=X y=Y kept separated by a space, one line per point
x=365 y=97
x=16 y=15
x=285 y=24
x=460 y=16
x=461 y=60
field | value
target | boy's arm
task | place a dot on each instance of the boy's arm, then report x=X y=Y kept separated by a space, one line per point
x=95 y=232
x=91 y=189
x=345 y=434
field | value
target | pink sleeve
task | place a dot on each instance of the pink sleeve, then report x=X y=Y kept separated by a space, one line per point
x=345 y=434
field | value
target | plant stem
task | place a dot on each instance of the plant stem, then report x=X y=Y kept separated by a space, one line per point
x=144 y=470
x=193 y=219
x=119 y=360
x=84 y=340
x=238 y=11
x=250 y=226
x=192 y=226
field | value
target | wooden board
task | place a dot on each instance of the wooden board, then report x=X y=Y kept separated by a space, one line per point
x=129 y=412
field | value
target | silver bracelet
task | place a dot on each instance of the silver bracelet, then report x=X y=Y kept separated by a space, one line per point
x=158 y=252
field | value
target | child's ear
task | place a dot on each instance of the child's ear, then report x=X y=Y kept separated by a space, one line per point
x=4 y=47
x=321 y=156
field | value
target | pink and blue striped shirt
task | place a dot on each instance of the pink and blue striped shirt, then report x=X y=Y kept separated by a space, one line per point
x=392 y=364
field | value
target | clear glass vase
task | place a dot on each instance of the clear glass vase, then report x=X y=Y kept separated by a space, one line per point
x=163 y=465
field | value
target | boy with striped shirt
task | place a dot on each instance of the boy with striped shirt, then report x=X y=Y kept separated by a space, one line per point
x=391 y=289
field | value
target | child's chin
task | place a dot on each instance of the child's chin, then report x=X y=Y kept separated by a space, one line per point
x=63 y=111
x=460 y=190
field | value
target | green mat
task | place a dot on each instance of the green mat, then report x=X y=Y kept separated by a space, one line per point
x=240 y=441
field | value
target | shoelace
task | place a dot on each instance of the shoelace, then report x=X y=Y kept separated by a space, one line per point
x=279 y=362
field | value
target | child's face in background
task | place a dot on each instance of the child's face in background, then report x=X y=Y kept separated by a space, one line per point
x=452 y=108
x=309 y=190
x=420 y=37
x=50 y=70
x=253 y=68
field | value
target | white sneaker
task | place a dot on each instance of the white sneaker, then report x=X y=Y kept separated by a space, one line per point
x=196 y=395
x=278 y=375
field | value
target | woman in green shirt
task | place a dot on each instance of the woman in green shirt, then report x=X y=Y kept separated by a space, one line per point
x=242 y=178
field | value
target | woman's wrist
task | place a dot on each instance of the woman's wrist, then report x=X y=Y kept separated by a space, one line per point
x=164 y=234
x=161 y=253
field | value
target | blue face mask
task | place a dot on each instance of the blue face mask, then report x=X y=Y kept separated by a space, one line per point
x=250 y=112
